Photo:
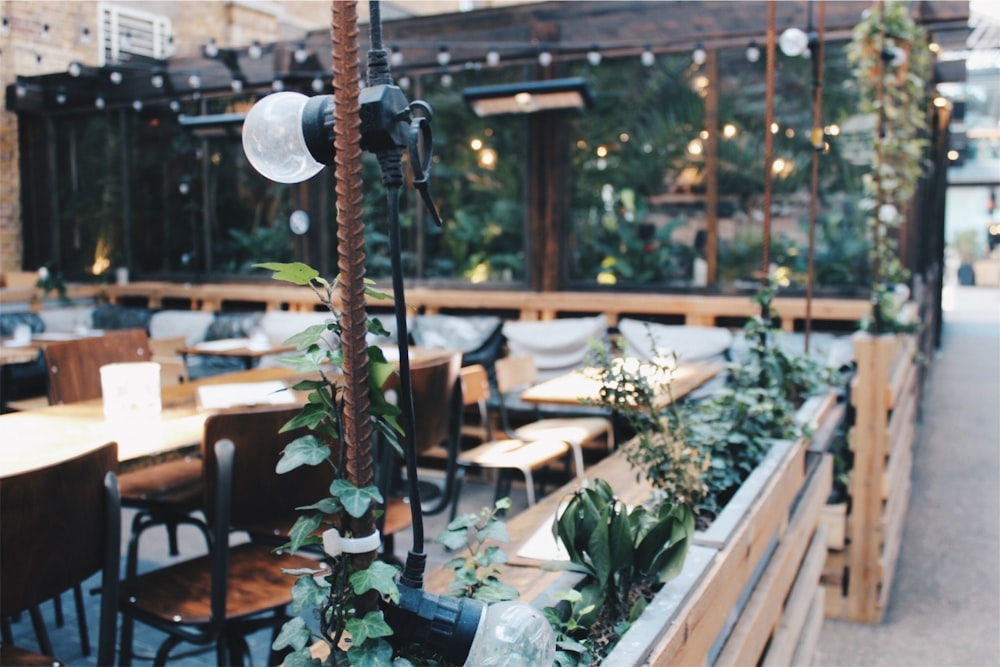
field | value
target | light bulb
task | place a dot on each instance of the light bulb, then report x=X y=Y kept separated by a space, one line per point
x=115 y=77
x=236 y=85
x=211 y=49
x=753 y=51
x=545 y=58
x=99 y=102
x=255 y=51
x=443 y=56
x=317 y=84
x=698 y=56
x=493 y=57
x=273 y=138
x=512 y=634
x=594 y=56
x=301 y=54
x=74 y=69
x=793 y=42
x=298 y=222
x=395 y=57
x=647 y=58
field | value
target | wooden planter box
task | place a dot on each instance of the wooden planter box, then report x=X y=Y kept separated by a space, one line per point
x=750 y=589
x=885 y=395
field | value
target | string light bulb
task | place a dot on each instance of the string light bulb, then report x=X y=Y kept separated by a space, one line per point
x=753 y=51
x=317 y=84
x=211 y=49
x=594 y=55
x=395 y=56
x=99 y=102
x=255 y=50
x=301 y=54
x=443 y=55
x=492 y=57
x=793 y=42
x=698 y=56
x=545 y=57
x=647 y=58
x=74 y=69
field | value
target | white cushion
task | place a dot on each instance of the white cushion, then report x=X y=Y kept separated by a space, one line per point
x=828 y=349
x=647 y=340
x=192 y=324
x=279 y=325
x=556 y=345
x=67 y=318
x=453 y=332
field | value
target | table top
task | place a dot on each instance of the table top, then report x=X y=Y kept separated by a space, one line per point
x=20 y=354
x=245 y=348
x=46 y=435
x=40 y=437
x=577 y=387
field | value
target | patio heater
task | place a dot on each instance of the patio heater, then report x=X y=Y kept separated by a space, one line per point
x=289 y=137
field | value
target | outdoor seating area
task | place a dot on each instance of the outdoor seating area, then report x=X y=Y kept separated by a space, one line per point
x=647 y=372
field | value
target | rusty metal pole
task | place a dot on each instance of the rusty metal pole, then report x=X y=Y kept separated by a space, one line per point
x=357 y=429
x=817 y=143
x=768 y=153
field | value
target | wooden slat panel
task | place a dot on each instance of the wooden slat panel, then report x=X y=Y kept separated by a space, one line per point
x=800 y=600
x=761 y=616
x=805 y=652
x=706 y=612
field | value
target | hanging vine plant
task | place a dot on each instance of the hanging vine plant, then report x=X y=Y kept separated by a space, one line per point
x=891 y=63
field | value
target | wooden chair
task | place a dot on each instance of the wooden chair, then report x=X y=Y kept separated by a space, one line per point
x=166 y=493
x=59 y=525
x=219 y=598
x=173 y=370
x=268 y=513
x=506 y=455
x=517 y=373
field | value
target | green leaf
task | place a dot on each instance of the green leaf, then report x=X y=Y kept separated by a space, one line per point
x=372 y=626
x=295 y=634
x=379 y=371
x=493 y=556
x=305 y=451
x=379 y=576
x=356 y=501
x=301 y=658
x=496 y=530
x=307 y=593
x=311 y=335
x=295 y=272
x=372 y=654
x=326 y=506
x=495 y=591
x=452 y=539
x=312 y=415
x=304 y=527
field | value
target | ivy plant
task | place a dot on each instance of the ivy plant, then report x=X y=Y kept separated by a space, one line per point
x=476 y=571
x=325 y=597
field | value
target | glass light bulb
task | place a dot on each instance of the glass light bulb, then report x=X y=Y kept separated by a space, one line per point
x=793 y=42
x=273 y=139
x=512 y=634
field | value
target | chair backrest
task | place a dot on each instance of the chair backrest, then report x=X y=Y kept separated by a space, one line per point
x=58 y=526
x=74 y=366
x=475 y=385
x=433 y=383
x=259 y=494
x=164 y=352
x=515 y=372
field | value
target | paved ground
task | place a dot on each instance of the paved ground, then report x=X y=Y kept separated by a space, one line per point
x=945 y=604
x=944 y=609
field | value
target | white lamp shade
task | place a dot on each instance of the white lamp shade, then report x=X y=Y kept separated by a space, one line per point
x=273 y=140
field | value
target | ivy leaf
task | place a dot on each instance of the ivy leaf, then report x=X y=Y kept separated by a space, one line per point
x=379 y=370
x=452 y=539
x=326 y=506
x=311 y=335
x=355 y=501
x=295 y=634
x=302 y=658
x=496 y=530
x=379 y=576
x=296 y=273
x=305 y=451
x=312 y=415
x=304 y=527
x=496 y=591
x=376 y=654
x=307 y=594
x=372 y=626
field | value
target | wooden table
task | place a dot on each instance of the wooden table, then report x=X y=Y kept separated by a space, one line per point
x=47 y=435
x=10 y=355
x=55 y=432
x=245 y=349
x=580 y=387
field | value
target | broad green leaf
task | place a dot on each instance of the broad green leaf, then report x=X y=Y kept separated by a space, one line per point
x=372 y=626
x=462 y=521
x=502 y=504
x=305 y=451
x=379 y=372
x=493 y=556
x=304 y=526
x=372 y=654
x=355 y=501
x=600 y=553
x=296 y=272
x=379 y=576
x=294 y=634
x=311 y=335
x=312 y=415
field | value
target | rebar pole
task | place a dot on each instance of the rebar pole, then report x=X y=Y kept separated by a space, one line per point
x=357 y=427
x=817 y=141
x=768 y=154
